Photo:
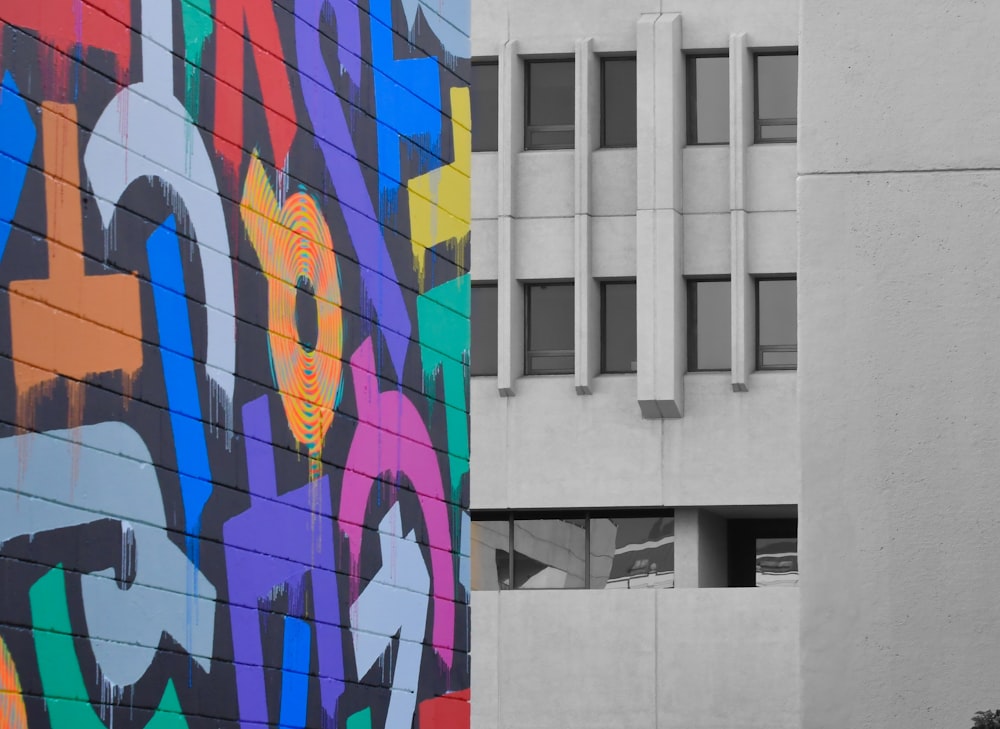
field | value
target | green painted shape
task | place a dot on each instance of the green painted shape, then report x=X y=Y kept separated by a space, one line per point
x=62 y=681
x=197 y=18
x=360 y=720
x=443 y=315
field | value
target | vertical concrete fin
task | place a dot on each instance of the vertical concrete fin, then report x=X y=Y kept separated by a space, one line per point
x=662 y=349
x=586 y=338
x=509 y=142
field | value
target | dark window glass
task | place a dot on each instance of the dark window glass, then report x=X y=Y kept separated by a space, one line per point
x=550 y=553
x=762 y=551
x=777 y=324
x=631 y=552
x=485 y=96
x=776 y=97
x=618 y=99
x=484 y=329
x=618 y=327
x=548 y=329
x=777 y=562
x=550 y=104
x=491 y=554
x=708 y=99
x=709 y=326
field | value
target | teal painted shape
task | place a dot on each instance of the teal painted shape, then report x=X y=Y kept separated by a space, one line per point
x=443 y=316
x=360 y=720
x=69 y=706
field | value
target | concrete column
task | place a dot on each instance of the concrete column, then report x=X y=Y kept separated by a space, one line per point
x=660 y=297
x=701 y=556
x=587 y=297
x=510 y=301
x=685 y=547
x=740 y=138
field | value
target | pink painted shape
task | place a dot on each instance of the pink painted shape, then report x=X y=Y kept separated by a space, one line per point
x=391 y=437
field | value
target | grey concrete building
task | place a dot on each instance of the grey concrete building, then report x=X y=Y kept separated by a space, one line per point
x=636 y=433
x=800 y=198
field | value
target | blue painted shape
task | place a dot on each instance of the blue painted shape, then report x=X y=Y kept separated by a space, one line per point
x=17 y=142
x=399 y=113
x=295 y=673
x=176 y=353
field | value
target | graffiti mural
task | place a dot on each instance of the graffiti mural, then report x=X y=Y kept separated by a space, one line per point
x=234 y=347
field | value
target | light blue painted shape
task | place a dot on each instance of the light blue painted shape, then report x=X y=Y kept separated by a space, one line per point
x=177 y=353
x=401 y=115
x=17 y=142
x=449 y=19
x=295 y=673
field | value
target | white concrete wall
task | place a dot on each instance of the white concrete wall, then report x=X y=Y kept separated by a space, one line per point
x=673 y=659
x=898 y=308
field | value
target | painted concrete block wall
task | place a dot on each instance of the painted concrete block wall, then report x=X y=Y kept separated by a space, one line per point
x=898 y=193
x=234 y=299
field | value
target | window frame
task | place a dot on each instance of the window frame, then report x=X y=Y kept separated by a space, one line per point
x=692 y=320
x=489 y=61
x=527 y=285
x=496 y=364
x=604 y=283
x=690 y=96
x=528 y=127
x=758 y=123
x=760 y=349
x=604 y=59
x=586 y=515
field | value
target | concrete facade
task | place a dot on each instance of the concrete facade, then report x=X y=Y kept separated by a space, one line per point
x=712 y=446
x=898 y=196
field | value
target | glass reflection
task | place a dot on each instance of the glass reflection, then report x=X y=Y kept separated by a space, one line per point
x=549 y=553
x=484 y=91
x=490 y=554
x=708 y=100
x=549 y=334
x=777 y=562
x=631 y=553
x=619 y=327
x=484 y=329
x=619 y=102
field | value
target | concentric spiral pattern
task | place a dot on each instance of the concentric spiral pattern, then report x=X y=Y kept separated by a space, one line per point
x=294 y=246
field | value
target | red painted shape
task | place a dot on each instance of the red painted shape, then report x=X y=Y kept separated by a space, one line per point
x=262 y=34
x=63 y=24
x=450 y=711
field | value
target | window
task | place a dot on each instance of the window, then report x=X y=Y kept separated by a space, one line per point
x=618 y=99
x=590 y=550
x=548 y=330
x=763 y=552
x=618 y=326
x=485 y=95
x=709 y=325
x=777 y=561
x=484 y=329
x=776 y=96
x=549 y=88
x=777 y=324
x=708 y=98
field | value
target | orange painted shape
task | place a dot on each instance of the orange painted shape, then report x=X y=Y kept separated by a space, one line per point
x=294 y=243
x=70 y=324
x=12 y=712
x=451 y=711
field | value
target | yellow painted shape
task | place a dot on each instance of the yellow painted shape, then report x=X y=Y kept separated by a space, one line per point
x=440 y=200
